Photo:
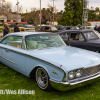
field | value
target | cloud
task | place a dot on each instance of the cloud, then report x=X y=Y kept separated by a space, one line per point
x=28 y=4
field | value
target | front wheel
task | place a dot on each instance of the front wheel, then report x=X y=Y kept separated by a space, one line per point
x=42 y=79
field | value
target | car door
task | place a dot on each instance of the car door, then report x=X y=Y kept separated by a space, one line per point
x=77 y=40
x=11 y=53
x=65 y=37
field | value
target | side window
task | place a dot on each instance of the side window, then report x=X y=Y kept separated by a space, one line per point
x=76 y=36
x=64 y=36
x=22 y=30
x=15 y=41
x=42 y=28
x=47 y=28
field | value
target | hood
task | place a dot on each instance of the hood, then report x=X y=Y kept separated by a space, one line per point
x=69 y=57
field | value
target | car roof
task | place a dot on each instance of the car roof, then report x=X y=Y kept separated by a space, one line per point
x=27 y=33
x=78 y=30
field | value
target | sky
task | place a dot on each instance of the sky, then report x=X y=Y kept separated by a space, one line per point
x=28 y=4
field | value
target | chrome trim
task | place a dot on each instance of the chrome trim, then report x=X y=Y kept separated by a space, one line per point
x=63 y=86
x=24 y=42
x=83 y=77
x=85 y=80
x=8 y=60
x=37 y=58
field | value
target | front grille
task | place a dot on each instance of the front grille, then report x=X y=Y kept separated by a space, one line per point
x=90 y=71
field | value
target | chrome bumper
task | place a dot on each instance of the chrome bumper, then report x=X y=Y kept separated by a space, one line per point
x=64 y=86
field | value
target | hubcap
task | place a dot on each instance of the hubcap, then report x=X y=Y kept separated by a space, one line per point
x=42 y=78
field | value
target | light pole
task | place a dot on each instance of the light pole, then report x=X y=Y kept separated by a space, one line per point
x=85 y=13
x=17 y=10
x=40 y=13
x=53 y=12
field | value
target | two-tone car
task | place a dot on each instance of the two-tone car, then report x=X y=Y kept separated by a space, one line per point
x=46 y=57
x=47 y=28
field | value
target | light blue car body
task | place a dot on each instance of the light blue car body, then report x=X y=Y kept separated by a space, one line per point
x=57 y=61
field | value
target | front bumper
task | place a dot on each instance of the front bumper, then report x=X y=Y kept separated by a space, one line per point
x=64 y=86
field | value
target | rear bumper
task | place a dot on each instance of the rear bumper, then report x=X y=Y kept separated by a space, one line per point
x=64 y=86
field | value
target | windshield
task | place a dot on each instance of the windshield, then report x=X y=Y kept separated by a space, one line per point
x=53 y=28
x=91 y=36
x=43 y=41
x=97 y=33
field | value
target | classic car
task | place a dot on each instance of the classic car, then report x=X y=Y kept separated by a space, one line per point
x=71 y=27
x=26 y=29
x=85 y=39
x=47 y=28
x=61 y=28
x=90 y=27
x=46 y=57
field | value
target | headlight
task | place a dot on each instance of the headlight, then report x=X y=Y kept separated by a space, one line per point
x=71 y=75
x=78 y=73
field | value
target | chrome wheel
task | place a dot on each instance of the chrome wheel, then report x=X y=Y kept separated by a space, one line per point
x=42 y=78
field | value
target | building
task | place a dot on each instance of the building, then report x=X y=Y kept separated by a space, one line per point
x=93 y=23
x=97 y=13
x=10 y=18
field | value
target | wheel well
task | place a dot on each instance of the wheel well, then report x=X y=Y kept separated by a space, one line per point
x=32 y=74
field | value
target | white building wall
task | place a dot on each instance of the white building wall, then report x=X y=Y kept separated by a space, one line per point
x=95 y=23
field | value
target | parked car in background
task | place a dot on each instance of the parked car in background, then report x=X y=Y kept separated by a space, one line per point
x=60 y=27
x=47 y=28
x=90 y=27
x=24 y=29
x=46 y=57
x=29 y=26
x=71 y=27
x=85 y=39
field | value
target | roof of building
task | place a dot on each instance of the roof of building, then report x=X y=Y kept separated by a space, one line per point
x=94 y=21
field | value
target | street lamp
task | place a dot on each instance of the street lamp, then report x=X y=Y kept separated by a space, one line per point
x=17 y=10
x=40 y=13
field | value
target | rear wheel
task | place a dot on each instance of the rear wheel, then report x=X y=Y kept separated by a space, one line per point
x=42 y=79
